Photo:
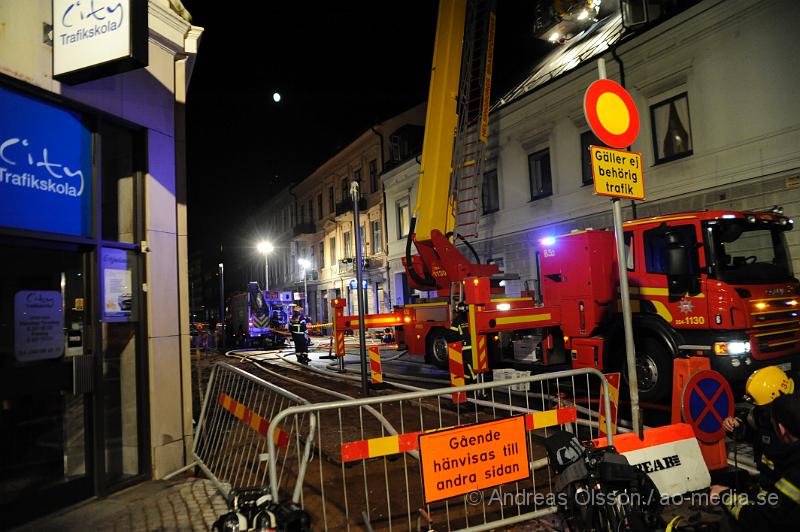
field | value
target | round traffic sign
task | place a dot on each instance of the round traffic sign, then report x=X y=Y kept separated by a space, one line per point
x=611 y=113
x=706 y=401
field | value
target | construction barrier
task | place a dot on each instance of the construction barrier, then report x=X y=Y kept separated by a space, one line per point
x=375 y=365
x=402 y=461
x=231 y=444
x=456 y=360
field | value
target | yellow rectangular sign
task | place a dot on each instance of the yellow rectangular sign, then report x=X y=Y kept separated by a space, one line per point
x=471 y=458
x=617 y=173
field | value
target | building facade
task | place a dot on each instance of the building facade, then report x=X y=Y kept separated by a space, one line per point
x=719 y=130
x=94 y=315
x=323 y=225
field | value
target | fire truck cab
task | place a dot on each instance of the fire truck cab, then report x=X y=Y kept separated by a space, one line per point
x=713 y=283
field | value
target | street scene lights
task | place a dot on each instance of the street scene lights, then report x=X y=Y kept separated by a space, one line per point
x=264 y=247
x=306 y=265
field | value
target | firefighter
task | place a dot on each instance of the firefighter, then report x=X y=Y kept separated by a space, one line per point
x=755 y=424
x=459 y=330
x=298 y=328
x=777 y=505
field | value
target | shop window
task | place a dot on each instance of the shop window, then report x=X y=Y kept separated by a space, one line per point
x=489 y=192
x=588 y=138
x=541 y=180
x=672 y=130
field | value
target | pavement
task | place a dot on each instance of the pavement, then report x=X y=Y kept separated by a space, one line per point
x=186 y=503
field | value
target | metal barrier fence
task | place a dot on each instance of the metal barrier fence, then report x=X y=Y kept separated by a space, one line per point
x=230 y=441
x=368 y=473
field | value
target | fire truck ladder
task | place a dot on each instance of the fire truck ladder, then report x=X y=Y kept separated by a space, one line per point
x=472 y=108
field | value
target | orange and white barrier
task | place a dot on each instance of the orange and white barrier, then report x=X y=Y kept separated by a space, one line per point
x=670 y=455
x=613 y=380
x=375 y=365
x=456 y=370
x=251 y=419
x=403 y=443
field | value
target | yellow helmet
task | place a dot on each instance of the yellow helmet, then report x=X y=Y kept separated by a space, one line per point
x=765 y=384
x=298 y=308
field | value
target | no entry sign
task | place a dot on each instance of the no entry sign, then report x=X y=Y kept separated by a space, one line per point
x=611 y=113
x=707 y=400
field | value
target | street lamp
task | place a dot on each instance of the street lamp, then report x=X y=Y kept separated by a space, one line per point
x=222 y=304
x=265 y=248
x=305 y=264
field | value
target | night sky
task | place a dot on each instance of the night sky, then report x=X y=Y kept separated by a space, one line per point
x=339 y=67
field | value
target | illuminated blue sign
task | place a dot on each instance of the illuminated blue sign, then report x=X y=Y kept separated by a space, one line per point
x=45 y=167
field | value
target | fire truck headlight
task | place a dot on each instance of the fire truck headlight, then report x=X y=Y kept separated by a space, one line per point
x=504 y=306
x=407 y=319
x=731 y=348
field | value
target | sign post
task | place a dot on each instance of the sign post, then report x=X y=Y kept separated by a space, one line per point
x=613 y=117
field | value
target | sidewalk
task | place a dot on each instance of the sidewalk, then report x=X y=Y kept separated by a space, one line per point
x=186 y=503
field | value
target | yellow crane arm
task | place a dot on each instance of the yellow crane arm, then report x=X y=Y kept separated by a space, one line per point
x=435 y=209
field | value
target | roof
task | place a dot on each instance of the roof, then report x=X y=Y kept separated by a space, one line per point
x=583 y=47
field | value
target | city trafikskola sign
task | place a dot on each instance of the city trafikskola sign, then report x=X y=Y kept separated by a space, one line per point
x=97 y=38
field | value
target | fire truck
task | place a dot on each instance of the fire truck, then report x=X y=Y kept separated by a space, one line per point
x=715 y=283
x=257 y=316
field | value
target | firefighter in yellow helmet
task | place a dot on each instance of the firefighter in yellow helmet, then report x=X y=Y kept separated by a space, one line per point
x=777 y=505
x=755 y=424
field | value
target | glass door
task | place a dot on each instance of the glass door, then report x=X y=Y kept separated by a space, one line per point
x=46 y=379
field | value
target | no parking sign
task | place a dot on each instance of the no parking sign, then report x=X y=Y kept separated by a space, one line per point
x=706 y=401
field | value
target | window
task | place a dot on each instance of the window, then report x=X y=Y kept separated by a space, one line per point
x=672 y=130
x=357 y=176
x=588 y=138
x=629 y=252
x=403 y=219
x=333 y=251
x=344 y=189
x=657 y=242
x=310 y=211
x=363 y=241
x=319 y=205
x=321 y=255
x=489 y=192
x=346 y=244
x=331 y=202
x=377 y=245
x=539 y=172
x=373 y=175
x=302 y=219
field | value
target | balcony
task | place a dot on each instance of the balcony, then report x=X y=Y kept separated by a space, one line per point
x=305 y=228
x=346 y=205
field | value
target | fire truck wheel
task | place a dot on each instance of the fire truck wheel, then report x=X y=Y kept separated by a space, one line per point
x=437 y=349
x=654 y=369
